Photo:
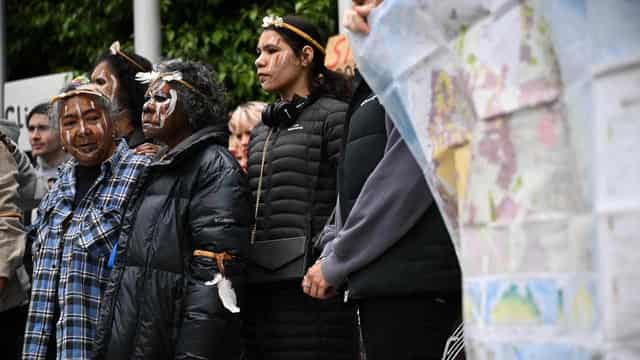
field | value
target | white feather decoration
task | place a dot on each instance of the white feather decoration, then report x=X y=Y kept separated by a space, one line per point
x=115 y=48
x=225 y=292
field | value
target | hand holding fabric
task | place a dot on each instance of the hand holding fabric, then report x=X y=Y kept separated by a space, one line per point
x=355 y=19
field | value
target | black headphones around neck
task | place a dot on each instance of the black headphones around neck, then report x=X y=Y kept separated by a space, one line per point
x=283 y=112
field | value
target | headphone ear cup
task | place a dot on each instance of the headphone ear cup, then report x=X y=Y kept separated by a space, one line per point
x=283 y=112
x=268 y=117
x=287 y=113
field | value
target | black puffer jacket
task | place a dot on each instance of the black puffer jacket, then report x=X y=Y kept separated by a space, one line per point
x=157 y=305
x=298 y=194
x=299 y=172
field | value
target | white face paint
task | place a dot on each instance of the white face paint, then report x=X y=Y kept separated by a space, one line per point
x=93 y=105
x=68 y=136
x=114 y=87
x=80 y=119
x=172 y=107
x=103 y=123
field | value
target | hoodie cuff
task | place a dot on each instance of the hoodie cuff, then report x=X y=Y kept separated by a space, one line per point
x=333 y=270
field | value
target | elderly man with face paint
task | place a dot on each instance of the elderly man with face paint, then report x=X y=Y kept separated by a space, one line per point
x=178 y=277
x=77 y=226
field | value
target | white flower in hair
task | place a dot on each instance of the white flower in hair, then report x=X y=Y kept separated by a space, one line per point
x=272 y=20
x=115 y=48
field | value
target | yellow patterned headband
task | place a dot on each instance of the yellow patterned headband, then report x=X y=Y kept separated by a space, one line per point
x=277 y=21
x=115 y=50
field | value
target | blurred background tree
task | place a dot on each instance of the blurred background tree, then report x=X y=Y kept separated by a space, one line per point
x=46 y=37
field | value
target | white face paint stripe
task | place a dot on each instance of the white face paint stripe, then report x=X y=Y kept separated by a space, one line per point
x=158 y=114
x=172 y=106
x=68 y=136
x=93 y=106
x=114 y=88
x=102 y=125
x=80 y=118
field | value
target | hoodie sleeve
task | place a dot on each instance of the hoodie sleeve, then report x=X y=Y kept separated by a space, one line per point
x=392 y=199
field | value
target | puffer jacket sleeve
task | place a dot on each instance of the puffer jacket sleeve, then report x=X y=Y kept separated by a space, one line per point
x=218 y=221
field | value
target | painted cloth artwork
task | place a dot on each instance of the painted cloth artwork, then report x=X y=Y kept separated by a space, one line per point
x=71 y=249
x=523 y=117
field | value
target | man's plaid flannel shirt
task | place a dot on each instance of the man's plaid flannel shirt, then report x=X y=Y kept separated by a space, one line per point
x=70 y=265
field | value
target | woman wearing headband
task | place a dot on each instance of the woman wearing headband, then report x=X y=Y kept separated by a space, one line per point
x=178 y=277
x=292 y=174
x=78 y=223
x=115 y=75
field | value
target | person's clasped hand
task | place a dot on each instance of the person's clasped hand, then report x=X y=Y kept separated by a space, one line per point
x=315 y=285
x=148 y=149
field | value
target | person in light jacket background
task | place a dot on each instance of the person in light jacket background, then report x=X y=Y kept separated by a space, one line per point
x=14 y=281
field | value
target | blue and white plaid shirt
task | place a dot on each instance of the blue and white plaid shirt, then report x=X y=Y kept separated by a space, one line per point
x=71 y=249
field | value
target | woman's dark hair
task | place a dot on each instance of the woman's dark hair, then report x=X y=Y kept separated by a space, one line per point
x=131 y=95
x=323 y=80
x=206 y=105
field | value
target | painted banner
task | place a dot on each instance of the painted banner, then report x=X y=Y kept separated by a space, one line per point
x=524 y=116
x=339 y=56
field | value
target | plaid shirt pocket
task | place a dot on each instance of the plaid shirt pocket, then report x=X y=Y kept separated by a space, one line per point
x=99 y=230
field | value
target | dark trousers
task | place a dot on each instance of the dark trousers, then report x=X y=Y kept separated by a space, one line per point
x=408 y=327
x=12 y=324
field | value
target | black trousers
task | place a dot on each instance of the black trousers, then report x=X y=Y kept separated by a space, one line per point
x=408 y=327
x=12 y=325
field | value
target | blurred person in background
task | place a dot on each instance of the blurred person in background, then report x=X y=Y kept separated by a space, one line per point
x=44 y=137
x=293 y=156
x=243 y=119
x=14 y=281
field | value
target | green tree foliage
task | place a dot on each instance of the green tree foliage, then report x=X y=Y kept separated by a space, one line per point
x=46 y=36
